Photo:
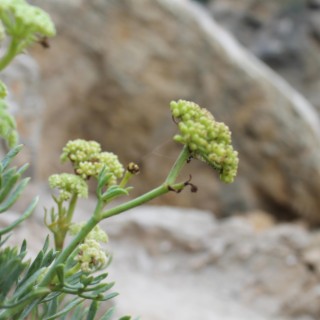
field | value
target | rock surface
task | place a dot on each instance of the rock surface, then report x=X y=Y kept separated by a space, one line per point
x=284 y=34
x=171 y=263
x=112 y=71
x=187 y=253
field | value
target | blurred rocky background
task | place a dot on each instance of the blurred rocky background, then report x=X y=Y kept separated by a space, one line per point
x=110 y=74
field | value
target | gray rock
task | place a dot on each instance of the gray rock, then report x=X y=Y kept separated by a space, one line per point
x=189 y=253
x=285 y=34
x=185 y=264
x=111 y=73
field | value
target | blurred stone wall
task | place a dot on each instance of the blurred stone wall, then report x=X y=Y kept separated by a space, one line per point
x=283 y=34
x=114 y=67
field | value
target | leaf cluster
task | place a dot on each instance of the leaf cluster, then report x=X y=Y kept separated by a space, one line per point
x=11 y=186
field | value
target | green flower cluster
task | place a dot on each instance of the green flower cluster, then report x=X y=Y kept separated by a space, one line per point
x=22 y=20
x=68 y=185
x=88 y=160
x=8 y=129
x=79 y=150
x=2 y=32
x=95 y=234
x=3 y=90
x=91 y=256
x=207 y=139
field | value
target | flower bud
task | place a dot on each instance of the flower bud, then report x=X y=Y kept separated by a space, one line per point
x=68 y=185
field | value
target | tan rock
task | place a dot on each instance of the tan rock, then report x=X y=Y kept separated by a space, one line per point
x=112 y=71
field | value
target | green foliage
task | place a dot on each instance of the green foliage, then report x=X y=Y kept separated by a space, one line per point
x=11 y=187
x=21 y=287
x=12 y=266
x=8 y=130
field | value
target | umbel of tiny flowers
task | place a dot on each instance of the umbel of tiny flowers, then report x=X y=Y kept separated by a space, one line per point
x=68 y=186
x=23 y=24
x=91 y=257
x=88 y=160
x=206 y=139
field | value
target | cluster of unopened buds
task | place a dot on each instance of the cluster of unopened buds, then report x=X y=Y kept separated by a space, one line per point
x=88 y=160
x=69 y=185
x=91 y=256
x=207 y=139
x=20 y=19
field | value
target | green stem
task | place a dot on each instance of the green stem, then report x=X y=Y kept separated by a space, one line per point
x=125 y=179
x=167 y=186
x=164 y=188
x=12 y=51
x=72 y=206
x=98 y=215
x=67 y=251
x=178 y=165
x=64 y=221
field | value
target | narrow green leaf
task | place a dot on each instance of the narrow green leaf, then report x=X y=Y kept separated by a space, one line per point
x=86 y=279
x=11 y=267
x=53 y=306
x=23 y=249
x=36 y=264
x=60 y=273
x=22 y=169
x=10 y=156
x=49 y=257
x=9 y=179
x=25 y=215
x=46 y=244
x=79 y=313
x=100 y=287
x=66 y=309
x=28 y=309
x=103 y=179
x=92 y=310
x=14 y=195
x=99 y=278
x=113 y=192
x=108 y=315
x=34 y=298
x=51 y=296
x=28 y=284
x=4 y=240
x=104 y=298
